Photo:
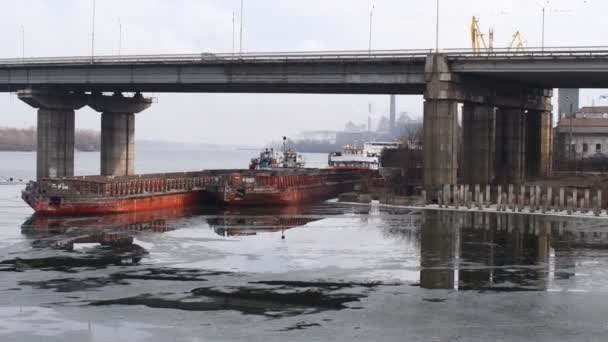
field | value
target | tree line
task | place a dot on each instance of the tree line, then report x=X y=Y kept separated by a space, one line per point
x=24 y=139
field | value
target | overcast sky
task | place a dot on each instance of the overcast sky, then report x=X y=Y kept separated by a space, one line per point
x=63 y=27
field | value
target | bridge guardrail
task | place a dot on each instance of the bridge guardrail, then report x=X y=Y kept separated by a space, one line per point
x=206 y=57
x=219 y=57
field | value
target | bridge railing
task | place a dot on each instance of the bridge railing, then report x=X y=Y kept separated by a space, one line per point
x=532 y=52
x=280 y=56
x=220 y=57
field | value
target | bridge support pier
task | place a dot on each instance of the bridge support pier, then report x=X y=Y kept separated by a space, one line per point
x=440 y=143
x=118 y=131
x=510 y=147
x=478 y=143
x=55 y=131
x=538 y=143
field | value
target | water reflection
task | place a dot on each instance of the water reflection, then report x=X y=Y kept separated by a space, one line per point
x=238 y=222
x=446 y=250
x=501 y=252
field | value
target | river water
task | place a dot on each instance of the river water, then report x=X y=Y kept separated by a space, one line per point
x=313 y=273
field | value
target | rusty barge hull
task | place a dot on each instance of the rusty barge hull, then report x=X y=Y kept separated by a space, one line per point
x=94 y=195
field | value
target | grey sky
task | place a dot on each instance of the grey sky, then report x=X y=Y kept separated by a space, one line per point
x=63 y=27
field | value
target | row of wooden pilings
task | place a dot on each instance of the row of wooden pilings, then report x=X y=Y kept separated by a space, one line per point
x=530 y=199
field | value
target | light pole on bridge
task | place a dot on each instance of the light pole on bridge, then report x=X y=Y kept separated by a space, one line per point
x=437 y=29
x=544 y=9
x=371 y=17
x=93 y=32
x=22 y=42
x=241 y=32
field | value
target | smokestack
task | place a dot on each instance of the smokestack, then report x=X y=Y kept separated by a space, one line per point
x=392 y=118
x=369 y=118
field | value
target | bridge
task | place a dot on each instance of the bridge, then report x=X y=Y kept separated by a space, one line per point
x=505 y=97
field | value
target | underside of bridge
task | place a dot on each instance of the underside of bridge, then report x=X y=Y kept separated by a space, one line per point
x=506 y=129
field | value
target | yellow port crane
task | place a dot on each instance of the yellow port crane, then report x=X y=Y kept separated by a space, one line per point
x=479 y=43
x=516 y=42
x=477 y=38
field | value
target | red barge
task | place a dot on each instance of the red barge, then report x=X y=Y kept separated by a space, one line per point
x=91 y=195
x=272 y=179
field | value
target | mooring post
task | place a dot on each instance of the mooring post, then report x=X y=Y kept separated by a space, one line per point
x=596 y=211
x=510 y=198
x=423 y=194
x=488 y=195
x=544 y=204
x=532 y=201
x=498 y=200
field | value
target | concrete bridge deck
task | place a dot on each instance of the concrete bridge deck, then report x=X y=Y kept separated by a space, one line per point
x=348 y=72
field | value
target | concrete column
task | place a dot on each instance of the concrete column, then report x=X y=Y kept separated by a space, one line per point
x=539 y=137
x=55 y=131
x=55 y=143
x=510 y=147
x=440 y=143
x=478 y=143
x=118 y=131
x=117 y=144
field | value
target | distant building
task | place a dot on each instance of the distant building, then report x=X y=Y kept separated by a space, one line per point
x=583 y=136
x=567 y=101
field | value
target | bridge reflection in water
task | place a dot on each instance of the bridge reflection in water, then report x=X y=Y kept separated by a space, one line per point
x=502 y=252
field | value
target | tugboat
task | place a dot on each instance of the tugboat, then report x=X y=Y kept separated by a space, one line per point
x=268 y=159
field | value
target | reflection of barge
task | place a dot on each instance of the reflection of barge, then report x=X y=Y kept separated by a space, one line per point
x=107 y=194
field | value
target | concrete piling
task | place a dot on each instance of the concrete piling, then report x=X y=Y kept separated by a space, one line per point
x=423 y=194
x=582 y=205
x=543 y=204
x=504 y=201
x=570 y=205
x=595 y=207
x=562 y=199
x=549 y=198
x=470 y=197
x=488 y=195
x=532 y=201
x=587 y=205
x=575 y=199
x=440 y=198
x=462 y=195
x=510 y=197
x=599 y=201
x=557 y=208
x=498 y=200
